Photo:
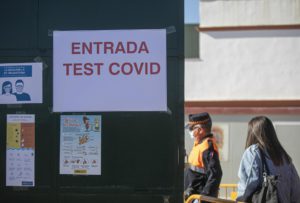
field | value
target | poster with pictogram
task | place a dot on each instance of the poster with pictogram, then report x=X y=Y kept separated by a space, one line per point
x=80 y=144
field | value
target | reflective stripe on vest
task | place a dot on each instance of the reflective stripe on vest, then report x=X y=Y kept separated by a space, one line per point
x=197 y=169
x=195 y=157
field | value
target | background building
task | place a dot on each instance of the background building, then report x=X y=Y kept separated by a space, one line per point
x=247 y=64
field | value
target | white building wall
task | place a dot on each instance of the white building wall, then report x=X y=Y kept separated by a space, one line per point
x=245 y=65
x=249 y=12
x=248 y=64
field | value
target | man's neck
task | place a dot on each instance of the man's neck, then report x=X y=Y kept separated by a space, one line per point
x=201 y=138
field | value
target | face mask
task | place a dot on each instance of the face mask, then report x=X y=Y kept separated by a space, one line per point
x=191 y=132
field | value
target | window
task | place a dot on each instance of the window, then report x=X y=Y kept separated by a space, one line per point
x=191 y=41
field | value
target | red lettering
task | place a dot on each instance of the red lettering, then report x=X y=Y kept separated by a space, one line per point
x=130 y=69
x=146 y=69
x=143 y=47
x=108 y=46
x=67 y=65
x=75 y=47
x=98 y=67
x=152 y=70
x=131 y=47
x=138 y=68
x=87 y=47
x=120 y=48
x=88 y=70
x=111 y=68
x=77 y=69
x=97 y=47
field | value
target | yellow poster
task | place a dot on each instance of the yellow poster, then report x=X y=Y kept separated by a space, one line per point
x=20 y=150
x=13 y=135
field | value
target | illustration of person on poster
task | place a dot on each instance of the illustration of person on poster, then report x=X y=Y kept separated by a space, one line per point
x=86 y=122
x=20 y=95
x=7 y=95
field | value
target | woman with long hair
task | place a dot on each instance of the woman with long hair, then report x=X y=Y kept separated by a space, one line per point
x=262 y=137
x=7 y=95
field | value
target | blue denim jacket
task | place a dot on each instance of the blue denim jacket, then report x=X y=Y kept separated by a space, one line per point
x=250 y=175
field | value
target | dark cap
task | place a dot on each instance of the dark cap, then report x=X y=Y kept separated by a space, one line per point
x=199 y=118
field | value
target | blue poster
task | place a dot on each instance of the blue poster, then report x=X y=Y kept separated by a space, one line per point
x=21 y=83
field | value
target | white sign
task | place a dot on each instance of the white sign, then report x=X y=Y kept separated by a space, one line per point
x=20 y=150
x=112 y=70
x=80 y=144
x=21 y=83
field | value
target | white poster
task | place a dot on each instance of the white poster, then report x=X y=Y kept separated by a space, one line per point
x=21 y=83
x=109 y=70
x=20 y=150
x=80 y=144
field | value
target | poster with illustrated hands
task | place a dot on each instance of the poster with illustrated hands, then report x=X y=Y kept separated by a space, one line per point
x=80 y=144
x=20 y=150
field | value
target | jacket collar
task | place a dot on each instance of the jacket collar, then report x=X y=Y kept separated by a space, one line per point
x=209 y=135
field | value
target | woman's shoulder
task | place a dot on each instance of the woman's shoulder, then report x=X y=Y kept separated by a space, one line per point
x=251 y=153
x=252 y=150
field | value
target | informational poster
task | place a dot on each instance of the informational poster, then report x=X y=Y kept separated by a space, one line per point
x=80 y=144
x=109 y=70
x=20 y=150
x=221 y=133
x=21 y=83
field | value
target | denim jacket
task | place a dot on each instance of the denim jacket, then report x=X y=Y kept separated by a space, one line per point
x=250 y=175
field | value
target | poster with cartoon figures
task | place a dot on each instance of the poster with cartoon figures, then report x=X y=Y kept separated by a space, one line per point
x=21 y=83
x=20 y=150
x=80 y=144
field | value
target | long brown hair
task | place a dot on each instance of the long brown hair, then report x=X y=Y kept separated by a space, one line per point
x=261 y=131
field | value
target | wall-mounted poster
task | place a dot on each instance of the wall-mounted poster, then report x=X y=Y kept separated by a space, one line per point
x=20 y=150
x=109 y=70
x=21 y=83
x=221 y=133
x=80 y=144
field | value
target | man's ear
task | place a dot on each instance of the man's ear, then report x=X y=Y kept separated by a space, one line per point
x=202 y=130
x=199 y=130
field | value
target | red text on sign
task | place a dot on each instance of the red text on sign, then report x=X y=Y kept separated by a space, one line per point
x=127 y=68
x=109 y=48
x=78 y=69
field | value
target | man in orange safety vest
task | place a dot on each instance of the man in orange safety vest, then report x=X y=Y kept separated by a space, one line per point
x=204 y=173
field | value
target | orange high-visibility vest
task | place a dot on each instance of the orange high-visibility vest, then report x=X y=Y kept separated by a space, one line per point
x=195 y=157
